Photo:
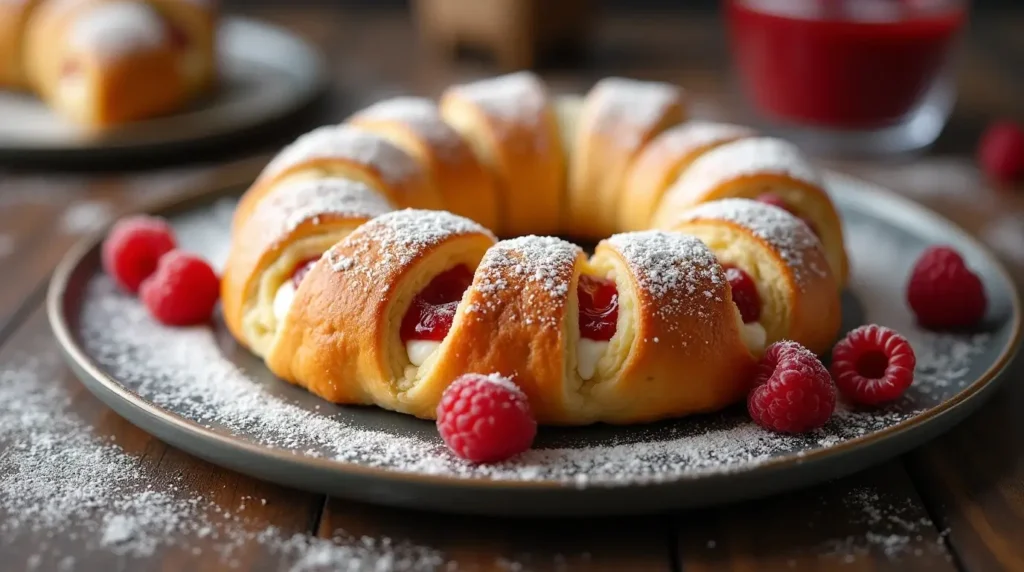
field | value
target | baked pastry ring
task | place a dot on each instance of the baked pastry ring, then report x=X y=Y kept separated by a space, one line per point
x=510 y=123
x=618 y=117
x=661 y=162
x=798 y=291
x=753 y=168
x=415 y=125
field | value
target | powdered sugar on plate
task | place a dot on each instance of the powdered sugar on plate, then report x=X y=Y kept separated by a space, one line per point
x=200 y=375
x=63 y=484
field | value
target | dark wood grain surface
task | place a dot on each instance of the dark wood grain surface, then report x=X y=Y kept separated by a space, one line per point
x=955 y=504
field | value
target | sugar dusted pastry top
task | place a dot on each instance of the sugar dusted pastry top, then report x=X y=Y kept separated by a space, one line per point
x=114 y=29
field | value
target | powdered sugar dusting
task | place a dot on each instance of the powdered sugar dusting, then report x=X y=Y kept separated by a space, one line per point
x=62 y=479
x=787 y=235
x=115 y=29
x=398 y=238
x=678 y=271
x=294 y=203
x=345 y=142
x=188 y=371
x=501 y=380
x=421 y=115
x=745 y=157
x=539 y=268
x=516 y=100
x=687 y=138
x=627 y=108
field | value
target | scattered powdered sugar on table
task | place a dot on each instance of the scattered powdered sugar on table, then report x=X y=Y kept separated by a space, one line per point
x=62 y=483
x=896 y=527
x=86 y=216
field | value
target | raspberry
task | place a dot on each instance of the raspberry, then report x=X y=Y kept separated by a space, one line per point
x=943 y=292
x=133 y=248
x=872 y=365
x=793 y=392
x=744 y=293
x=1001 y=152
x=485 y=419
x=182 y=291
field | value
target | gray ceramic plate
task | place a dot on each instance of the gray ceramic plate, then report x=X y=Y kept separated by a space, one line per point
x=196 y=389
x=267 y=73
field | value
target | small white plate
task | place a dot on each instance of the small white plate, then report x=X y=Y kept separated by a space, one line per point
x=266 y=74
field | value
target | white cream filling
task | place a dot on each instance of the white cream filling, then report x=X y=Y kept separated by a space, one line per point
x=754 y=337
x=283 y=300
x=588 y=353
x=420 y=350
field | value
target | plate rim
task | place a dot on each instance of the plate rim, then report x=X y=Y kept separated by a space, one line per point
x=303 y=96
x=81 y=363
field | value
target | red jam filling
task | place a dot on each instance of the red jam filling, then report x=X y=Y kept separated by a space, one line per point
x=599 y=307
x=301 y=269
x=777 y=201
x=744 y=293
x=432 y=311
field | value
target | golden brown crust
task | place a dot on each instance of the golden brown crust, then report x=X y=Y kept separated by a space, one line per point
x=292 y=212
x=349 y=152
x=513 y=321
x=340 y=340
x=686 y=355
x=750 y=167
x=661 y=162
x=783 y=256
x=618 y=118
x=415 y=125
x=510 y=123
x=86 y=61
x=14 y=16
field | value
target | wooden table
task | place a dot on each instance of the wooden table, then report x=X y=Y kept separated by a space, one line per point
x=957 y=503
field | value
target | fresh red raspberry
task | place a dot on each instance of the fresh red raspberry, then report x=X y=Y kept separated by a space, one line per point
x=182 y=291
x=943 y=292
x=485 y=419
x=744 y=293
x=793 y=392
x=133 y=248
x=1001 y=152
x=873 y=364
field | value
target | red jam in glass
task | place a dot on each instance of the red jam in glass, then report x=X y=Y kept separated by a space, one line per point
x=432 y=311
x=301 y=269
x=599 y=307
x=744 y=293
x=777 y=201
x=848 y=64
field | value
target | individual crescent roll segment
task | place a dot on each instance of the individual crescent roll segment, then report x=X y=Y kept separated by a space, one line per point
x=290 y=228
x=517 y=320
x=14 y=17
x=352 y=153
x=678 y=348
x=798 y=291
x=567 y=113
x=104 y=63
x=342 y=339
x=661 y=161
x=761 y=168
x=415 y=125
x=509 y=122
x=619 y=116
